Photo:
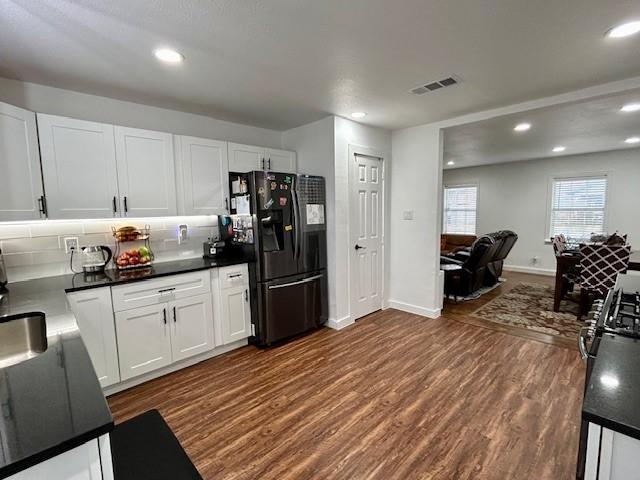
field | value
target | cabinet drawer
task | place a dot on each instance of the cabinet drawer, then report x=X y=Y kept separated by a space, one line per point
x=166 y=289
x=233 y=276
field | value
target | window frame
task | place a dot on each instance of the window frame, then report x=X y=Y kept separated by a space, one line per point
x=476 y=185
x=577 y=176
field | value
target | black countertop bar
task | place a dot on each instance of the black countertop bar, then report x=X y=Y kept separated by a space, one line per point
x=51 y=403
x=613 y=394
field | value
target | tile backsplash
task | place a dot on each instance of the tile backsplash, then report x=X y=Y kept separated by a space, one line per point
x=36 y=249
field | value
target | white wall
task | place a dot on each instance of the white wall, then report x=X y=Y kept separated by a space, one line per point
x=323 y=149
x=55 y=101
x=515 y=196
x=417 y=156
x=416 y=182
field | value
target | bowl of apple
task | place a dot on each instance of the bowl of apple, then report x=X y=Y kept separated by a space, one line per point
x=134 y=258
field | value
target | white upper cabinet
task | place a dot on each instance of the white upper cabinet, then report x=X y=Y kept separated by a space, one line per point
x=146 y=174
x=246 y=158
x=21 y=195
x=280 y=160
x=78 y=168
x=203 y=176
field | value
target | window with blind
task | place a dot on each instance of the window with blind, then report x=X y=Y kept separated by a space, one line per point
x=578 y=206
x=459 y=215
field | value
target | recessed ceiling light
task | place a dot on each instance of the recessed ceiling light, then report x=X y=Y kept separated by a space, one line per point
x=624 y=30
x=630 y=107
x=633 y=140
x=168 y=55
x=358 y=115
x=559 y=149
x=451 y=162
x=522 y=127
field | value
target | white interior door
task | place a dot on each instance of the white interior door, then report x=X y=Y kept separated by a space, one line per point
x=366 y=234
x=21 y=194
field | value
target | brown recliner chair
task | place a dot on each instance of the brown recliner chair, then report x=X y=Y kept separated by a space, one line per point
x=507 y=240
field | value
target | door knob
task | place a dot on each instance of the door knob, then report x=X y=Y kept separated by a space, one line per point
x=358 y=247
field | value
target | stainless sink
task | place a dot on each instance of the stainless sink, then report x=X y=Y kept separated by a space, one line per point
x=22 y=337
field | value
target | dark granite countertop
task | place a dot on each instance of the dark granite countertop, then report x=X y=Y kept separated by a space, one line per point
x=111 y=278
x=48 y=294
x=51 y=403
x=613 y=393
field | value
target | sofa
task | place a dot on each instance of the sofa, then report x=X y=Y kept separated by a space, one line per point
x=453 y=242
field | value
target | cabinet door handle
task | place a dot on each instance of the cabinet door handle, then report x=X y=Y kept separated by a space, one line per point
x=226 y=204
x=115 y=205
x=246 y=295
x=263 y=163
x=164 y=315
x=126 y=207
x=235 y=275
x=269 y=164
x=175 y=320
x=42 y=205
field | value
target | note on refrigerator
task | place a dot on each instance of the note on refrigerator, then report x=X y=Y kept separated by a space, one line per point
x=315 y=214
x=235 y=186
x=242 y=205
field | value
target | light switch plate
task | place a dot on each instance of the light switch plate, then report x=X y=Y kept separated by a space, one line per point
x=407 y=215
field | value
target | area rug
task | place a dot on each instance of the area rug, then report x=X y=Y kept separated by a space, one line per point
x=530 y=306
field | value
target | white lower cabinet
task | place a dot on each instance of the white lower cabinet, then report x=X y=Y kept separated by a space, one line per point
x=80 y=463
x=236 y=314
x=135 y=329
x=144 y=341
x=235 y=306
x=94 y=314
x=611 y=455
x=192 y=326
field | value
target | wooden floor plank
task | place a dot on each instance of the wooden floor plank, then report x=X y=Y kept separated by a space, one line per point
x=395 y=396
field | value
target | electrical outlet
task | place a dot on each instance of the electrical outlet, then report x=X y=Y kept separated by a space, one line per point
x=407 y=215
x=70 y=243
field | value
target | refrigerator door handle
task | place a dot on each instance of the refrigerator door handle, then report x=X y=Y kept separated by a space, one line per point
x=297 y=223
x=291 y=284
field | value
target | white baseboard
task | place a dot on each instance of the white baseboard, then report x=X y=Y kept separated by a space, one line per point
x=132 y=382
x=340 y=323
x=532 y=270
x=415 y=309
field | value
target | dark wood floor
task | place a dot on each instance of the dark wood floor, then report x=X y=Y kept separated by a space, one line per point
x=394 y=396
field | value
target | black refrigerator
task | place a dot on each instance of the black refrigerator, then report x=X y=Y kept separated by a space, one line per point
x=289 y=277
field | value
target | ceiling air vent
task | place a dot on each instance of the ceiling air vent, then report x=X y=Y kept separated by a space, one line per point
x=433 y=86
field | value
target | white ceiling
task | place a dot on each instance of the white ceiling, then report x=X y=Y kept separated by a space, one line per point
x=596 y=125
x=283 y=63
